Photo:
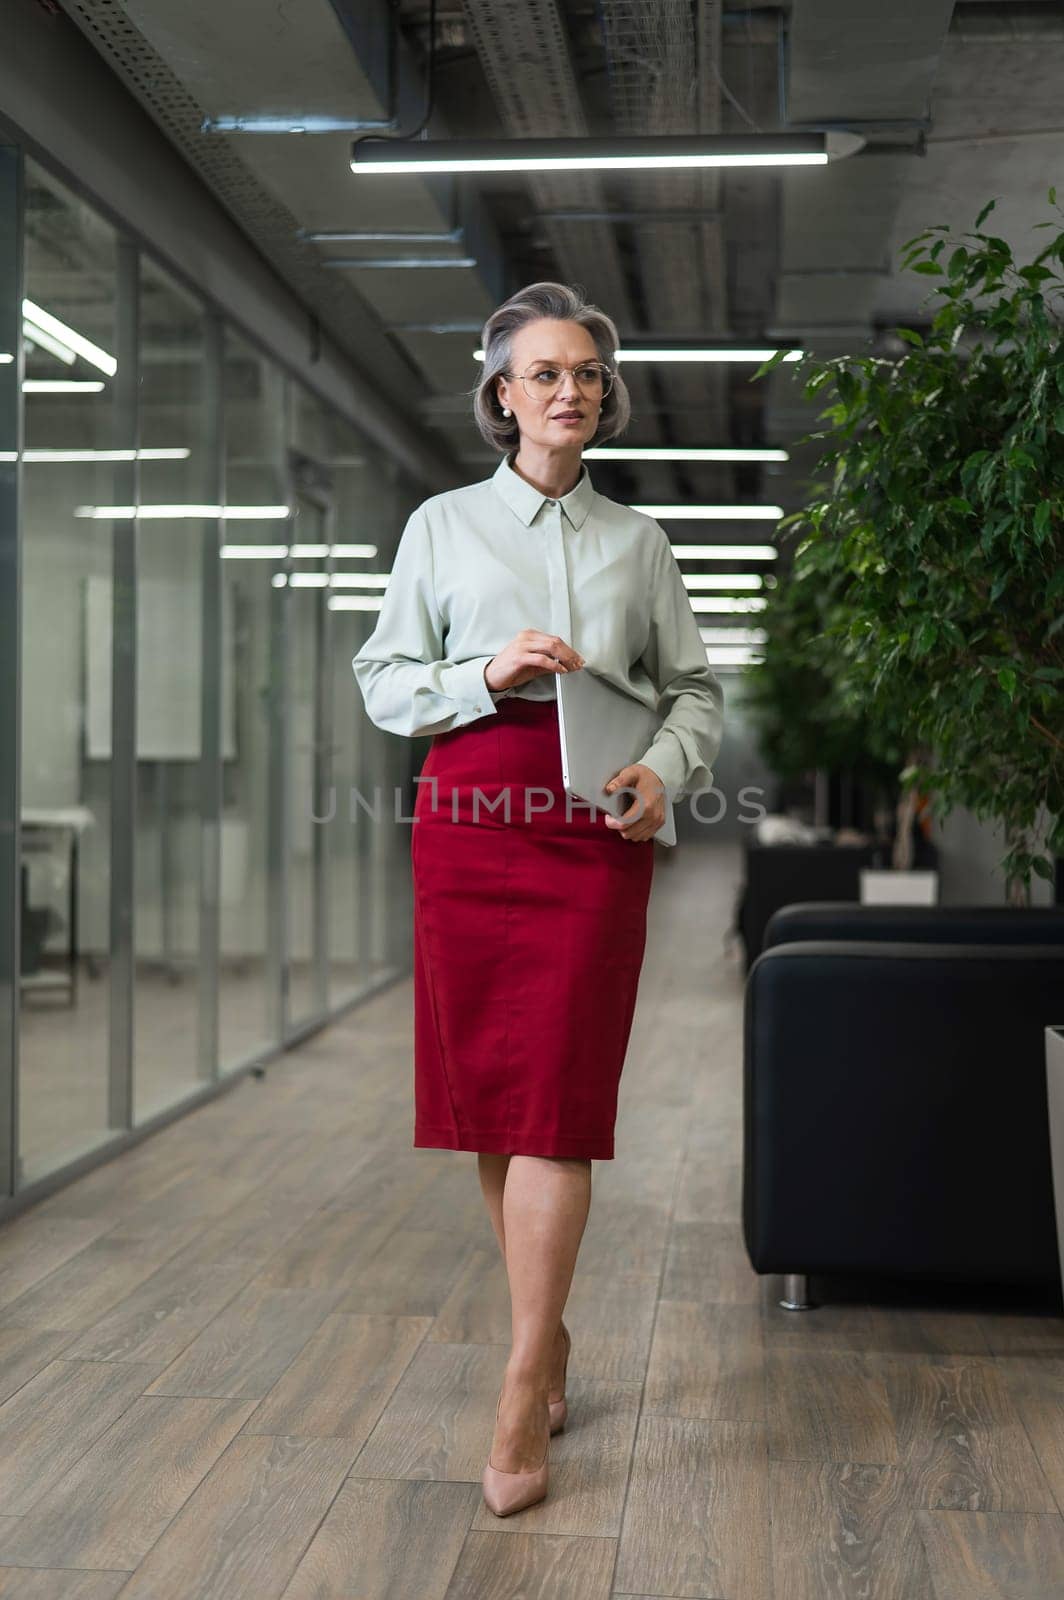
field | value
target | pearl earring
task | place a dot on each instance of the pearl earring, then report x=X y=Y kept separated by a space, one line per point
x=506 y=411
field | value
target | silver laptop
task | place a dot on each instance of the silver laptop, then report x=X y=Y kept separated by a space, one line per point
x=603 y=730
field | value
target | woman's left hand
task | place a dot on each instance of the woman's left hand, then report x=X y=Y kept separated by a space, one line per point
x=646 y=806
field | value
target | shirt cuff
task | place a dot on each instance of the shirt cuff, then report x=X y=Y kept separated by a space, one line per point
x=666 y=760
x=466 y=683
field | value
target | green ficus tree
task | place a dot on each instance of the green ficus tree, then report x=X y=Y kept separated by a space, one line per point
x=807 y=713
x=938 y=509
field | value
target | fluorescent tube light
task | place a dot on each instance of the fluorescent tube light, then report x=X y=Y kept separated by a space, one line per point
x=733 y=635
x=723 y=580
x=355 y=602
x=609 y=452
x=725 y=552
x=654 y=152
x=398 y=263
x=254 y=552
x=709 y=353
x=694 y=353
x=166 y=513
x=278 y=552
x=712 y=605
x=36 y=338
x=61 y=386
x=6 y=358
x=361 y=580
x=740 y=656
x=44 y=320
x=50 y=457
x=688 y=513
x=309 y=552
x=308 y=580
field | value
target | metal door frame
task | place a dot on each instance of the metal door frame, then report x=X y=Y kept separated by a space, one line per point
x=308 y=480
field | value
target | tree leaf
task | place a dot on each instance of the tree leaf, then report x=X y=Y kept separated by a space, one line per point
x=987 y=209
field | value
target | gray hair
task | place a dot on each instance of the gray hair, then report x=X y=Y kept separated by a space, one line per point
x=562 y=304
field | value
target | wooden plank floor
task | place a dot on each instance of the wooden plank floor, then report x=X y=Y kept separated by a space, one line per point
x=258 y=1356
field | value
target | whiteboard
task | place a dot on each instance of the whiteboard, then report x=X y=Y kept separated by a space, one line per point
x=168 y=669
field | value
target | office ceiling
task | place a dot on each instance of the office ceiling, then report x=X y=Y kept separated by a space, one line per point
x=958 y=103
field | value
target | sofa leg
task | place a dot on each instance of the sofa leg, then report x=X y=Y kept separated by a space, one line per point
x=796 y=1292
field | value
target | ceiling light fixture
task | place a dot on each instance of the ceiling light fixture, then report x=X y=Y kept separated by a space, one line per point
x=37 y=317
x=50 y=457
x=254 y=552
x=61 y=386
x=609 y=452
x=675 y=151
x=725 y=552
x=733 y=635
x=713 y=605
x=398 y=263
x=695 y=353
x=723 y=580
x=738 y=656
x=165 y=513
x=37 y=339
x=713 y=513
x=355 y=602
x=722 y=352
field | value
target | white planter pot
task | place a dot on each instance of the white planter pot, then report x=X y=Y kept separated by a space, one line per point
x=1055 y=1095
x=883 y=886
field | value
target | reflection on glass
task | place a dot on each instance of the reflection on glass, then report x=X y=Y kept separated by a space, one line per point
x=173 y=408
x=357 y=489
x=66 y=684
x=254 y=414
x=304 y=761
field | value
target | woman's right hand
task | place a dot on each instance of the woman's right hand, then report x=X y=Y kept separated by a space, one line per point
x=528 y=655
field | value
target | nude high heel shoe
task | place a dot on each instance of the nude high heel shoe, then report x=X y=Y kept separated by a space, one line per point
x=507 y=1492
x=559 y=1410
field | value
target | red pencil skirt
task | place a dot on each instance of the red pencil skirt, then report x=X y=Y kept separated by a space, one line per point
x=529 y=933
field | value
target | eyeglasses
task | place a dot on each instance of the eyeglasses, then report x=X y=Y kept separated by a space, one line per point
x=593 y=378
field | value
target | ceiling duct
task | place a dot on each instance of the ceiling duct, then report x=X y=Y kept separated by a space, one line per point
x=663 y=59
x=525 y=57
x=200 y=66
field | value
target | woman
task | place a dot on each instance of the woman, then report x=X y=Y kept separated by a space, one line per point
x=530 y=915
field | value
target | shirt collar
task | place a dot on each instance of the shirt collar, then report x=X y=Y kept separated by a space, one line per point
x=525 y=500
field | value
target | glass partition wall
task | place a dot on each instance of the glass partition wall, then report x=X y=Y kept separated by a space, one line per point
x=204 y=840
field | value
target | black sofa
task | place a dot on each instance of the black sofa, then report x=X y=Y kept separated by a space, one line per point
x=895 y=1121
x=778 y=875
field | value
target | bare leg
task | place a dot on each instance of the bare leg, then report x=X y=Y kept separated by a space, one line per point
x=492 y=1169
x=492 y=1172
x=545 y=1207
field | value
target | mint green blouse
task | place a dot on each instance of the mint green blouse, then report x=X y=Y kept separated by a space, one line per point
x=476 y=565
